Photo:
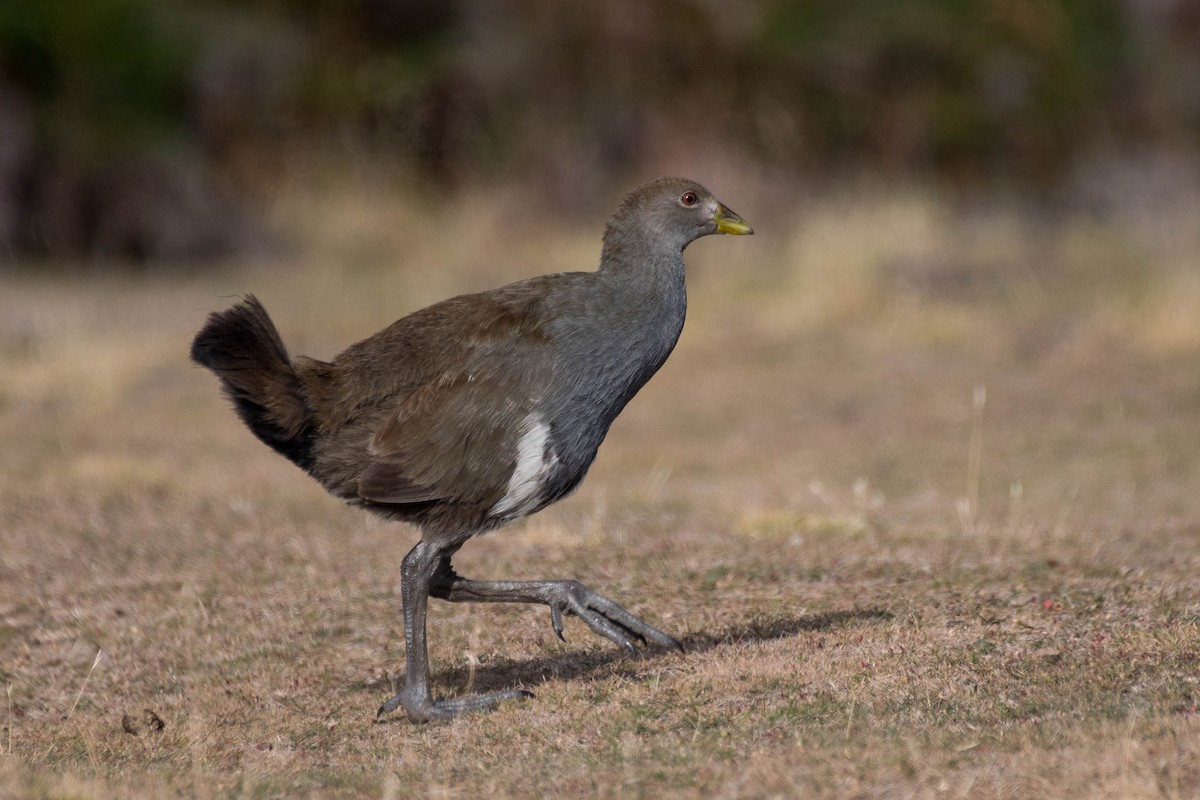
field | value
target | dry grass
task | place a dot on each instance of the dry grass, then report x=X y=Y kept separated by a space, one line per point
x=887 y=587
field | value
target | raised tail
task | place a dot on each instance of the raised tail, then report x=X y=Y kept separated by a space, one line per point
x=243 y=348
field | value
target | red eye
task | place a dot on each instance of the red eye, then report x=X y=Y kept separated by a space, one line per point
x=689 y=198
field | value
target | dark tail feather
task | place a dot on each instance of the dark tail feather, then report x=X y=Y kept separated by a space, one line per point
x=243 y=348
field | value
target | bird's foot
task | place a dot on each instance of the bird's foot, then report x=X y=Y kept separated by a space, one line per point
x=424 y=708
x=604 y=616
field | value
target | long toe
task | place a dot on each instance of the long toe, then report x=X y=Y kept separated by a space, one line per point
x=430 y=709
x=612 y=621
x=616 y=633
x=637 y=626
x=477 y=702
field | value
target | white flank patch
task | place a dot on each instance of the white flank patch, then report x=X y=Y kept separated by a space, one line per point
x=534 y=460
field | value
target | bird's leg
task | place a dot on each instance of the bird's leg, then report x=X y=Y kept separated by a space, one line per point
x=601 y=614
x=415 y=573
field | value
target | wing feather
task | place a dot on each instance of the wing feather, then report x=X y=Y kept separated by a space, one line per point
x=456 y=437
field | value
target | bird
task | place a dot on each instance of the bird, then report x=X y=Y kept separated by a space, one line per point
x=479 y=410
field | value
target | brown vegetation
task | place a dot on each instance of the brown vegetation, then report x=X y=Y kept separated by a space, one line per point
x=890 y=582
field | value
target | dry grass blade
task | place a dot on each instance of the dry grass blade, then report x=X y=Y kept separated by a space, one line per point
x=12 y=720
x=844 y=638
x=83 y=686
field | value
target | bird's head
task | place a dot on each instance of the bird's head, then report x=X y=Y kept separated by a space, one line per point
x=671 y=213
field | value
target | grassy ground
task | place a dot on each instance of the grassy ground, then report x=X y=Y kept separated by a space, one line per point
x=919 y=490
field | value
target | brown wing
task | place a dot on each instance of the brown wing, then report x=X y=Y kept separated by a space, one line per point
x=455 y=438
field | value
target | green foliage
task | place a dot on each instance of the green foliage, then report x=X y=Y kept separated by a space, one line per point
x=926 y=84
x=561 y=92
x=942 y=83
x=104 y=76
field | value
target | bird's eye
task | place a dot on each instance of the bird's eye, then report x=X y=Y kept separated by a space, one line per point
x=689 y=198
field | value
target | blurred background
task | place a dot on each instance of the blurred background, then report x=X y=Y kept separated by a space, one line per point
x=158 y=132
x=949 y=386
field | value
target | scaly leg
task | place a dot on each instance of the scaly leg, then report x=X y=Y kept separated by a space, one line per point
x=602 y=615
x=416 y=572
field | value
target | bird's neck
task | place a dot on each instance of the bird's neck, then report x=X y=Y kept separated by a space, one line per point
x=648 y=288
x=632 y=248
x=645 y=267
x=653 y=276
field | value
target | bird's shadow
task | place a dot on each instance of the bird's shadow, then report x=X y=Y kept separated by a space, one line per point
x=511 y=674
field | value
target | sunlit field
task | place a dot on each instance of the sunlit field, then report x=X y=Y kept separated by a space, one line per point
x=919 y=490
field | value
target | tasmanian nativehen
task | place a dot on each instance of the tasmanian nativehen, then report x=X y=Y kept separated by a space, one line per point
x=479 y=410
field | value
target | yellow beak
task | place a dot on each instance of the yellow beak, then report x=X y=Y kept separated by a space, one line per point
x=729 y=222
